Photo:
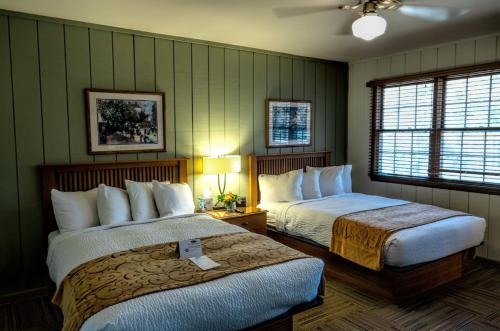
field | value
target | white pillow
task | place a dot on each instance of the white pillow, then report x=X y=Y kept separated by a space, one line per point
x=142 y=204
x=173 y=199
x=346 y=178
x=281 y=188
x=75 y=210
x=330 y=180
x=112 y=205
x=310 y=184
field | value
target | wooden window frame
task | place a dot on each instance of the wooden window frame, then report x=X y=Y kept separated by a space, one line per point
x=439 y=78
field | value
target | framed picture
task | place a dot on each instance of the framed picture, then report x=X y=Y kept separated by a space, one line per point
x=125 y=121
x=289 y=123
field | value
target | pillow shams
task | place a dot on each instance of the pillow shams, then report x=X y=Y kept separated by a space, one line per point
x=173 y=199
x=346 y=178
x=330 y=180
x=310 y=184
x=75 y=210
x=112 y=205
x=281 y=188
x=142 y=204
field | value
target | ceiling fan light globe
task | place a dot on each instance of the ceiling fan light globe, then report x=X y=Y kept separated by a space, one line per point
x=369 y=26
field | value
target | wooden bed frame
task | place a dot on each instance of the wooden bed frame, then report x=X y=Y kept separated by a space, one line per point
x=395 y=284
x=82 y=177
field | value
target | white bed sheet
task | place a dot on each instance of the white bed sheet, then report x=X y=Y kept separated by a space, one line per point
x=233 y=302
x=313 y=219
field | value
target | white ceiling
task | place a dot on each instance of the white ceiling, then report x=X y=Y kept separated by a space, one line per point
x=253 y=23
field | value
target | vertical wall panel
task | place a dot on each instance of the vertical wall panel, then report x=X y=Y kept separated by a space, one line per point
x=165 y=83
x=145 y=74
x=340 y=138
x=273 y=85
x=259 y=96
x=53 y=89
x=330 y=90
x=216 y=100
x=78 y=78
x=494 y=228
x=441 y=197
x=486 y=49
x=201 y=142
x=10 y=242
x=465 y=53
x=246 y=115
x=286 y=85
x=101 y=65
x=29 y=135
x=320 y=110
x=446 y=56
x=409 y=192
x=297 y=88
x=459 y=200
x=412 y=62
x=479 y=205
x=429 y=59
x=231 y=111
x=310 y=93
x=183 y=104
x=424 y=195
x=124 y=71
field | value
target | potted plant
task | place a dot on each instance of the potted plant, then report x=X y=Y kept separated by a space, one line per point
x=229 y=200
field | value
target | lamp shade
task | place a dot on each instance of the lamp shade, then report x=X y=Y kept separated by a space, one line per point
x=369 y=26
x=221 y=165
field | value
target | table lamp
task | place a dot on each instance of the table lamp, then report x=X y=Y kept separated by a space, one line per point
x=221 y=165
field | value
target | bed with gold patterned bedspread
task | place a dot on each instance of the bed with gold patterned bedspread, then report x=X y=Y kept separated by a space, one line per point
x=360 y=237
x=124 y=275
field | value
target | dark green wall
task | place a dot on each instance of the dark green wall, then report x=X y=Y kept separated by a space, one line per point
x=214 y=98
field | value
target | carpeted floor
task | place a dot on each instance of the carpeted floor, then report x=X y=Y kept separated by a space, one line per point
x=472 y=303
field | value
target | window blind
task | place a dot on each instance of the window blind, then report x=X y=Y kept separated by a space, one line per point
x=440 y=129
x=470 y=142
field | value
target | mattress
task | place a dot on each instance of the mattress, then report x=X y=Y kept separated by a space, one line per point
x=233 y=302
x=313 y=219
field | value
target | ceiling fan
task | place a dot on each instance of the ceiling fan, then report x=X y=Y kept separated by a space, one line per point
x=370 y=25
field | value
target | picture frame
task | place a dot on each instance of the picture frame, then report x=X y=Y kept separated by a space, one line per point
x=125 y=121
x=289 y=123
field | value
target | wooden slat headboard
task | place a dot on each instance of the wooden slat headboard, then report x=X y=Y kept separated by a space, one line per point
x=279 y=164
x=83 y=177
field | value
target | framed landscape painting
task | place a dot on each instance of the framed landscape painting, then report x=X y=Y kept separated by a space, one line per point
x=125 y=121
x=289 y=123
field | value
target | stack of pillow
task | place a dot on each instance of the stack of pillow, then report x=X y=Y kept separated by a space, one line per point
x=107 y=205
x=298 y=185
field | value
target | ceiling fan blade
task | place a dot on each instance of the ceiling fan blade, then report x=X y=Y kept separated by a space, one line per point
x=304 y=10
x=434 y=14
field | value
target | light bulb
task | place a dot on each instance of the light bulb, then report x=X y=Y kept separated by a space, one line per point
x=369 y=26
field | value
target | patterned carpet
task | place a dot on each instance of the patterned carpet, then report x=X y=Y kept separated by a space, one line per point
x=472 y=303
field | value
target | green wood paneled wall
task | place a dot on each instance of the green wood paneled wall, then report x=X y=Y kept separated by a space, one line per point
x=214 y=103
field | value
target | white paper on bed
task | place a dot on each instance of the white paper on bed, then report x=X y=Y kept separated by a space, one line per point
x=313 y=219
x=233 y=302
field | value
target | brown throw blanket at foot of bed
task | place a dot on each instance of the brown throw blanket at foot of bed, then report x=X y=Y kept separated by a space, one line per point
x=111 y=279
x=360 y=237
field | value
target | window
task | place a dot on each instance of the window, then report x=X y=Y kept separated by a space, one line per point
x=440 y=129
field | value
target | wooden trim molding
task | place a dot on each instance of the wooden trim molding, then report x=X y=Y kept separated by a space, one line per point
x=83 y=177
x=430 y=75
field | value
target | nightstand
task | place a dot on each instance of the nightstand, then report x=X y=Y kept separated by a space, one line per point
x=254 y=219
